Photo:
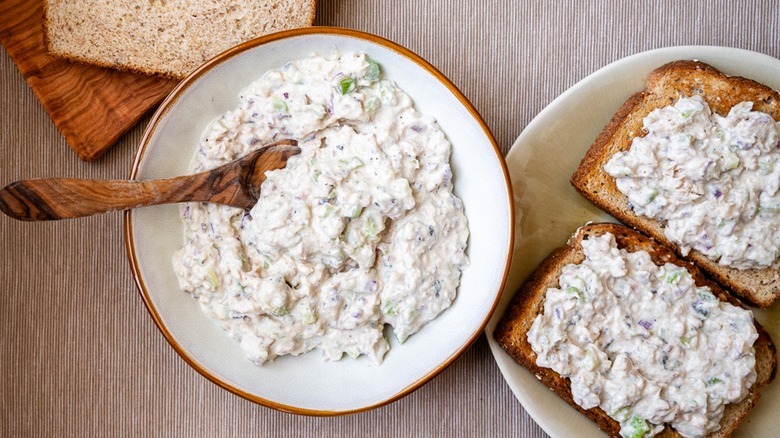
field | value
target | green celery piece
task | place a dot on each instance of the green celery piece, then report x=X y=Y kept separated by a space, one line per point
x=622 y=414
x=768 y=209
x=373 y=71
x=346 y=85
x=279 y=105
x=370 y=227
x=705 y=295
x=309 y=318
x=213 y=280
x=639 y=426
x=574 y=291
x=356 y=212
x=731 y=160
x=651 y=197
x=372 y=104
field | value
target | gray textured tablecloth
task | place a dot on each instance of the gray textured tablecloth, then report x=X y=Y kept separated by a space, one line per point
x=79 y=354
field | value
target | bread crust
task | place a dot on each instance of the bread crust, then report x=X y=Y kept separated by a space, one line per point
x=665 y=86
x=511 y=333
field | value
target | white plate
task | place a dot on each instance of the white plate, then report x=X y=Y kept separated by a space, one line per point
x=548 y=209
x=307 y=384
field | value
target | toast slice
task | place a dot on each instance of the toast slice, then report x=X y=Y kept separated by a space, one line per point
x=665 y=86
x=511 y=331
x=167 y=38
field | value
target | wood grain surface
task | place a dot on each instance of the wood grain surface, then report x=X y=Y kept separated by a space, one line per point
x=91 y=106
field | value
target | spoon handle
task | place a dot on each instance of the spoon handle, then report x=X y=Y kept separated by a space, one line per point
x=64 y=198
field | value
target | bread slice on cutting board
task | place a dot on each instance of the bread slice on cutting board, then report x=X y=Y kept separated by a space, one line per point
x=170 y=38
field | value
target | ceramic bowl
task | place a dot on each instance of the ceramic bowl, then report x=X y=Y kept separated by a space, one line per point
x=307 y=384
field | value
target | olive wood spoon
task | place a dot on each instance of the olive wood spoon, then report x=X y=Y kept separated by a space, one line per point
x=236 y=183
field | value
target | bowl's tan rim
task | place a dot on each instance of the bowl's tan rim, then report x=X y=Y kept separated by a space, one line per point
x=193 y=77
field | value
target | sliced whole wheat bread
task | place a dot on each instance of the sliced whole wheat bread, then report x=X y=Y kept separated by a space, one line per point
x=169 y=38
x=511 y=331
x=665 y=86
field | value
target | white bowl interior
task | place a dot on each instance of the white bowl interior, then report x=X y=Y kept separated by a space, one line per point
x=308 y=382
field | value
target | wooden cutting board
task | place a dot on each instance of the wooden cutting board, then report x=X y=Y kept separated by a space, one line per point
x=91 y=106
